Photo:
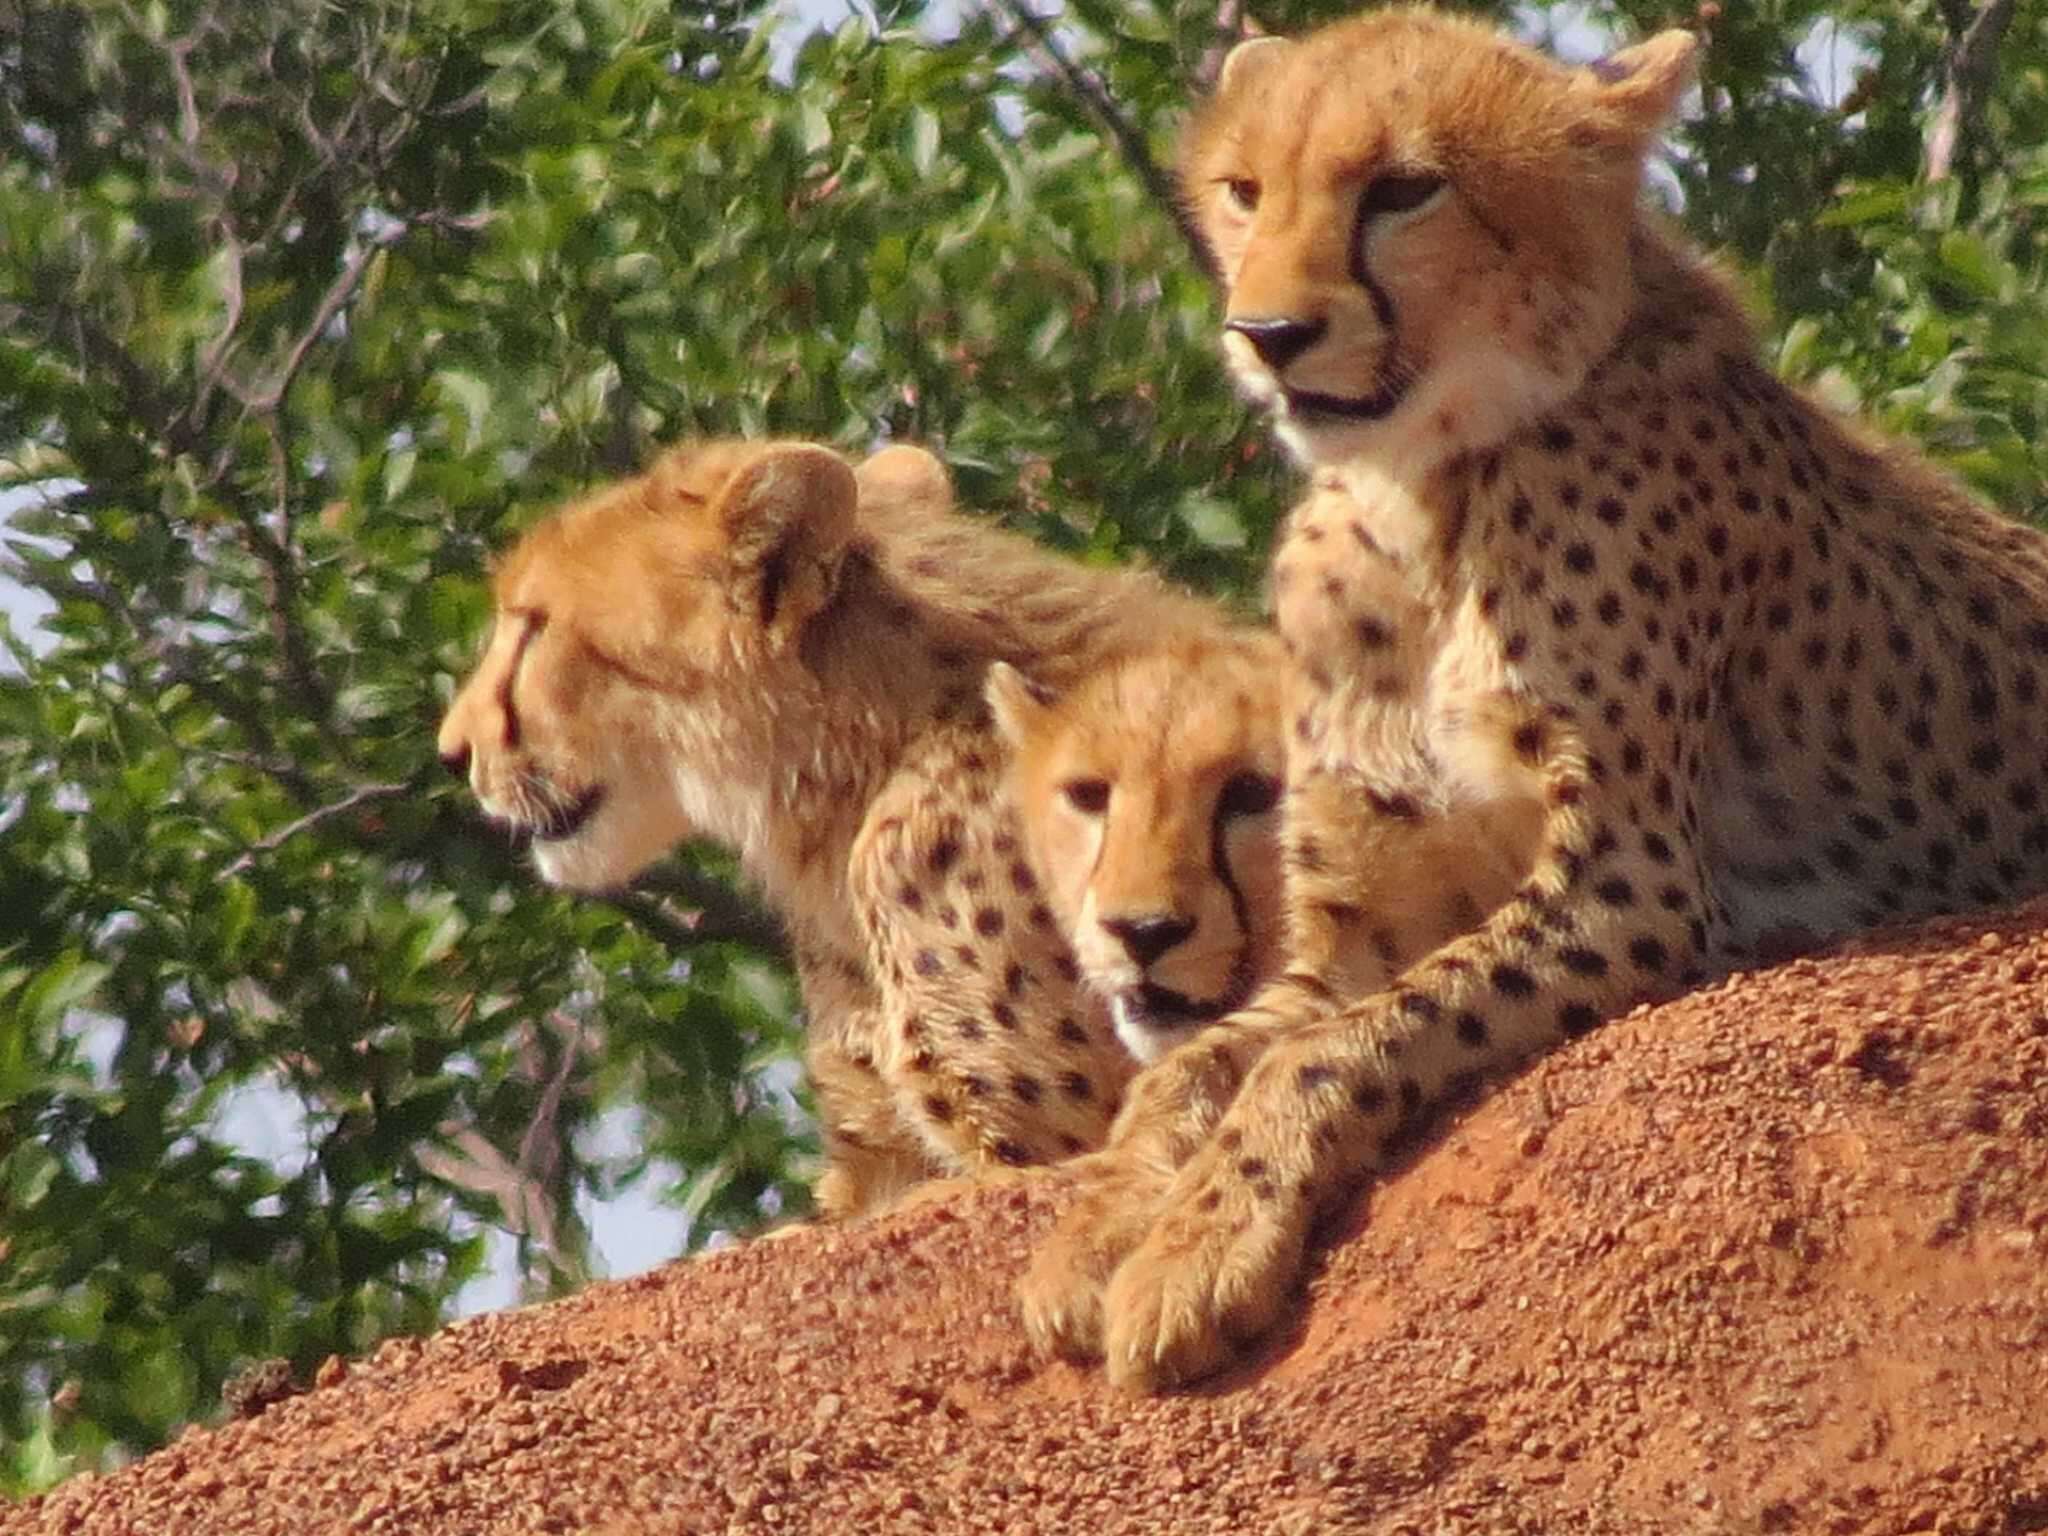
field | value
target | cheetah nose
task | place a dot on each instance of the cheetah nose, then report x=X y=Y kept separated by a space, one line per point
x=456 y=761
x=1148 y=937
x=1278 y=340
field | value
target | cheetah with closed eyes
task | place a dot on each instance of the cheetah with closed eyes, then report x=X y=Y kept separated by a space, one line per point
x=1778 y=679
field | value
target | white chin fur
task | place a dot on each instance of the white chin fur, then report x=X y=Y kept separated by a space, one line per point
x=579 y=863
x=1136 y=1033
x=1254 y=379
x=1312 y=443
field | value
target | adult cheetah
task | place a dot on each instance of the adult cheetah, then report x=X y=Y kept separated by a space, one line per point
x=1777 y=678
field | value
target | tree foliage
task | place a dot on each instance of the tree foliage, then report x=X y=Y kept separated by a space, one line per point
x=308 y=307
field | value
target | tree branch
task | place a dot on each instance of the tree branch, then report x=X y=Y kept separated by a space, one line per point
x=267 y=400
x=1230 y=30
x=524 y=1186
x=716 y=915
x=1087 y=89
x=146 y=401
x=469 y=1162
x=1967 y=74
x=273 y=551
x=540 y=1147
x=361 y=795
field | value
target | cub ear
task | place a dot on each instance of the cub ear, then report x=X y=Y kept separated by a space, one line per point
x=903 y=472
x=788 y=516
x=1639 y=88
x=1250 y=59
x=1018 y=704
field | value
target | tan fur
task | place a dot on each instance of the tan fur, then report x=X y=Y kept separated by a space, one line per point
x=1769 y=676
x=757 y=644
x=1149 y=795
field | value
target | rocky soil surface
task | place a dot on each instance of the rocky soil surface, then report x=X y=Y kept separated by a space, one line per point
x=1771 y=1258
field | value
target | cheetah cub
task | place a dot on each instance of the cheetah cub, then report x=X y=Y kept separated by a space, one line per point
x=1148 y=796
x=1774 y=676
x=1150 y=801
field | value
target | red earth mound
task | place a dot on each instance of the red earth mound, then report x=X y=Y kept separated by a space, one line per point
x=1771 y=1258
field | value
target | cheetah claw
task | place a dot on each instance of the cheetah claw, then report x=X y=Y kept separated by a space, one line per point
x=1061 y=1293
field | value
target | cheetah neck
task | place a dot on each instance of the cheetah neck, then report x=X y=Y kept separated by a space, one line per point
x=1406 y=518
x=1418 y=508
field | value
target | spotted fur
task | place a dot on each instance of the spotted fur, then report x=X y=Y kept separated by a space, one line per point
x=1771 y=677
x=760 y=645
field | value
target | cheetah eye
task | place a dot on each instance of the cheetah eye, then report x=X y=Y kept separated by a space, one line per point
x=1249 y=794
x=1243 y=193
x=1399 y=192
x=1088 y=796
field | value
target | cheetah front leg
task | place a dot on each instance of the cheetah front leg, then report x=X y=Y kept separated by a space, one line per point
x=1602 y=924
x=1376 y=880
x=1172 y=1108
x=871 y=1156
x=871 y=1159
x=994 y=1055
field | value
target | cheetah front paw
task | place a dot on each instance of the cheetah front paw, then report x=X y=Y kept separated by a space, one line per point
x=1113 y=1204
x=1215 y=1272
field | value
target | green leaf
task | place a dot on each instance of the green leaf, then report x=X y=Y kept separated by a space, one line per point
x=1866 y=206
x=398 y=471
x=1215 y=523
x=66 y=983
x=1798 y=346
x=1969 y=262
x=472 y=396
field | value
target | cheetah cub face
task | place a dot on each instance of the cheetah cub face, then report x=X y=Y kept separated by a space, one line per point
x=1149 y=796
x=1415 y=220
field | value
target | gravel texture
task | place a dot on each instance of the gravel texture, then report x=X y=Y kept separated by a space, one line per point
x=1770 y=1258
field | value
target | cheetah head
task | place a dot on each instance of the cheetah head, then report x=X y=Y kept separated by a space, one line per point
x=1149 y=795
x=644 y=681
x=1423 y=227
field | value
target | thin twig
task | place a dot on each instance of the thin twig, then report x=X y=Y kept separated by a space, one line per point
x=361 y=795
x=273 y=551
x=213 y=362
x=1087 y=88
x=338 y=293
x=540 y=1148
x=469 y=1161
x=1966 y=83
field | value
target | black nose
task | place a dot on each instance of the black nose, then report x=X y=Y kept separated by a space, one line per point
x=1147 y=938
x=457 y=762
x=1279 y=341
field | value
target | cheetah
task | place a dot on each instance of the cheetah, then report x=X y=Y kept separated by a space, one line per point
x=1148 y=798
x=761 y=645
x=1777 y=679
x=1133 y=857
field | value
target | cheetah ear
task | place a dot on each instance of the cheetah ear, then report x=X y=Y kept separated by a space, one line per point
x=788 y=515
x=1018 y=704
x=1253 y=57
x=1640 y=87
x=904 y=473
